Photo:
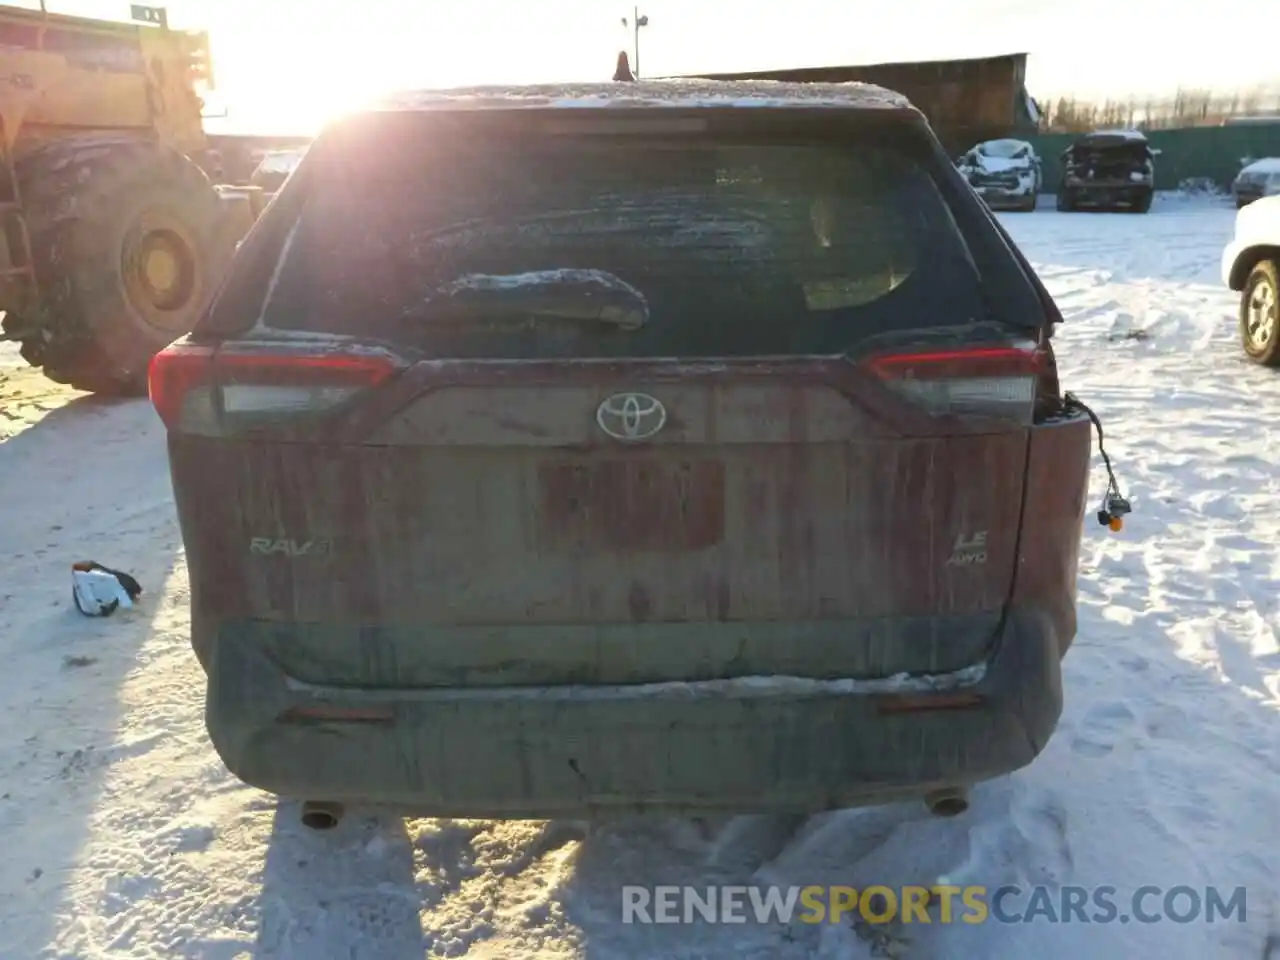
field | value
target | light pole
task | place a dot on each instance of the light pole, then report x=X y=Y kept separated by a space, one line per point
x=638 y=21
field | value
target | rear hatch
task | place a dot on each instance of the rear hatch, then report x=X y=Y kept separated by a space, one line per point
x=595 y=396
x=1113 y=158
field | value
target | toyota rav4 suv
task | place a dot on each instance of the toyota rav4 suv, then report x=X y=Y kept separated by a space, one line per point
x=655 y=447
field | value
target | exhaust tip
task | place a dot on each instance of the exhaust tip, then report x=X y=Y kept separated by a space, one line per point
x=947 y=802
x=318 y=815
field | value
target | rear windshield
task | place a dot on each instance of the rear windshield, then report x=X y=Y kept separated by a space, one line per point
x=590 y=247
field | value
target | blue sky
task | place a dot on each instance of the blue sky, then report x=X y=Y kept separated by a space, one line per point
x=285 y=65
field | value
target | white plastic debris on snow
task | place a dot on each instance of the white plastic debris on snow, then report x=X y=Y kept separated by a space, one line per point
x=99 y=592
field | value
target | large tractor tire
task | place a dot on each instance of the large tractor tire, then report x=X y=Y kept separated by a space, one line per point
x=128 y=242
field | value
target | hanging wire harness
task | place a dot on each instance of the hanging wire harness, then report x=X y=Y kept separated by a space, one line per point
x=1115 y=506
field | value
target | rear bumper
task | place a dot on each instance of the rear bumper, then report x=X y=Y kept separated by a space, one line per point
x=615 y=750
x=1092 y=192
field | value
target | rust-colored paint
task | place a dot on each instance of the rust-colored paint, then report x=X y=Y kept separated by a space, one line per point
x=640 y=503
x=470 y=535
x=1057 y=492
x=494 y=535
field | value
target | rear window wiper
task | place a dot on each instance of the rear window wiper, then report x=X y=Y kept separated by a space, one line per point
x=593 y=296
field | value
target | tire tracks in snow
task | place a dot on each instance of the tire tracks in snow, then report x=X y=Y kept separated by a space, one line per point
x=1173 y=689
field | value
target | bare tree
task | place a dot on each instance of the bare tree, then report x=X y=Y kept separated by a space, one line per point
x=1184 y=108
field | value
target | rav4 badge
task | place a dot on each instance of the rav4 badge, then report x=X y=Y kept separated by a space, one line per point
x=268 y=546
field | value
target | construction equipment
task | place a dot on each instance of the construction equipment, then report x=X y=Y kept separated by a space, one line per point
x=112 y=236
x=966 y=101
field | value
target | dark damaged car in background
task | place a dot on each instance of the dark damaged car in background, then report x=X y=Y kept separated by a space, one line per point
x=1257 y=179
x=638 y=448
x=1108 y=170
x=1005 y=173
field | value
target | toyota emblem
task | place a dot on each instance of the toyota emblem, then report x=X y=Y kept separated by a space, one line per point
x=631 y=416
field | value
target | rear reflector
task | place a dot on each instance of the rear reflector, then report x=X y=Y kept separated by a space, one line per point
x=926 y=702
x=203 y=388
x=983 y=381
x=330 y=713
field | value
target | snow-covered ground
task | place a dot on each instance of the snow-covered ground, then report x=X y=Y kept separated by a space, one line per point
x=124 y=838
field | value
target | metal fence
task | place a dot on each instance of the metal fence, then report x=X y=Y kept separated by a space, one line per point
x=1213 y=153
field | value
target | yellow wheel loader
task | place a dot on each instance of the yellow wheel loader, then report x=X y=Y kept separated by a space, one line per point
x=112 y=236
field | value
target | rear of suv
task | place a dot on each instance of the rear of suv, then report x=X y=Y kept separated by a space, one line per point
x=643 y=449
x=1108 y=170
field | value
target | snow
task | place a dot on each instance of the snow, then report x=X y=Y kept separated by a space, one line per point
x=1002 y=164
x=621 y=303
x=125 y=839
x=655 y=93
x=1001 y=156
x=1123 y=134
x=772 y=686
x=1003 y=149
x=1267 y=165
x=600 y=280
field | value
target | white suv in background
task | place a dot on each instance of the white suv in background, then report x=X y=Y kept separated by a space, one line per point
x=1251 y=265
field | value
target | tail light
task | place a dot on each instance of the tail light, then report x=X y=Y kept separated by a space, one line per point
x=978 y=382
x=178 y=379
x=213 y=390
